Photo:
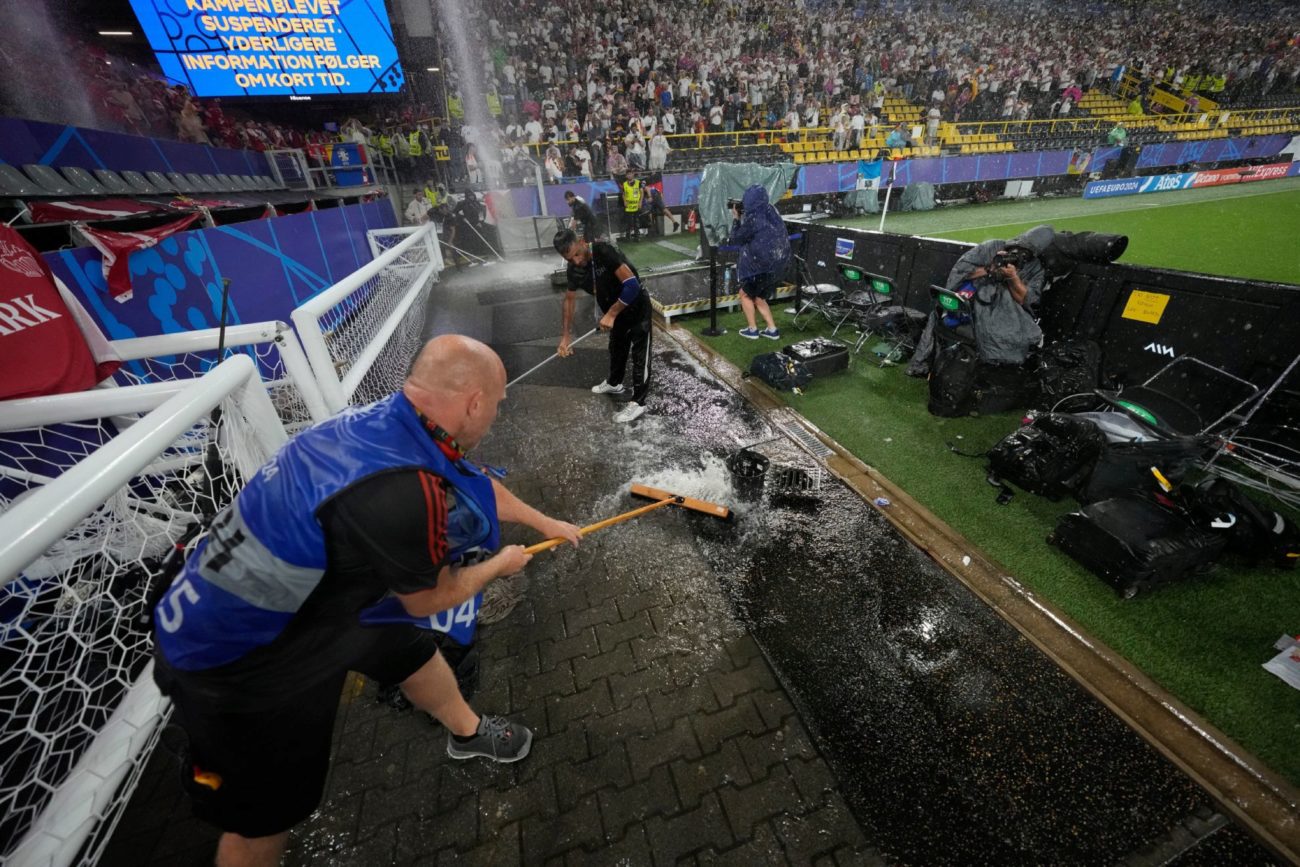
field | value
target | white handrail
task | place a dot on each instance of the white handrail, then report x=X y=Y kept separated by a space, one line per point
x=51 y=511
x=180 y=343
x=30 y=412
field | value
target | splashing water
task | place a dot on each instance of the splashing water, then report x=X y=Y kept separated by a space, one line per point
x=32 y=55
x=468 y=52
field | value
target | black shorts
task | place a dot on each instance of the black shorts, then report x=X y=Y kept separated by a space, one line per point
x=760 y=287
x=273 y=760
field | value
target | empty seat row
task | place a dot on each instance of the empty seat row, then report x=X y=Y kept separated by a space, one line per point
x=44 y=181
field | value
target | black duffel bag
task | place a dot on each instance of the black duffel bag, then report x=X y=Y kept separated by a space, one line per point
x=1134 y=543
x=1051 y=456
x=780 y=371
x=1068 y=368
x=952 y=380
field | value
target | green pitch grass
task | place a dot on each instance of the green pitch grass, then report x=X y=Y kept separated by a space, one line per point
x=1204 y=640
x=1244 y=230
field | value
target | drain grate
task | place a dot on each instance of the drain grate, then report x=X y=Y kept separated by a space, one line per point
x=806 y=440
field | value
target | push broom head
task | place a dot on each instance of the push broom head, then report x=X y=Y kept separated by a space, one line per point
x=694 y=505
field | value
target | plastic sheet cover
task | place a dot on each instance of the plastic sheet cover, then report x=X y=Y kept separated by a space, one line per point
x=723 y=181
x=917 y=197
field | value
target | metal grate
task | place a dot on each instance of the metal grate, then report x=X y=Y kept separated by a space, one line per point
x=806 y=440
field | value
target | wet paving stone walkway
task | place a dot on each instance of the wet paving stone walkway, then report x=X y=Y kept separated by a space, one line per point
x=798 y=686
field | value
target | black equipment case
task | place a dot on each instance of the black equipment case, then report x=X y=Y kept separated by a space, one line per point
x=780 y=371
x=1052 y=455
x=1135 y=544
x=820 y=355
x=962 y=384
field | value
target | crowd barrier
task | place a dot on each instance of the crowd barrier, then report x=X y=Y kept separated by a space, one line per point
x=1140 y=316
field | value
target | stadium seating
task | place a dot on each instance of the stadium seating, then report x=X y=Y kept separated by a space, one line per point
x=48 y=181
x=114 y=183
x=82 y=180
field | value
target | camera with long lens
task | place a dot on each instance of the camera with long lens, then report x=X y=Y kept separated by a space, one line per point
x=736 y=205
x=1017 y=256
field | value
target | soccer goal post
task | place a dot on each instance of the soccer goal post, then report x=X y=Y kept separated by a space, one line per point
x=189 y=354
x=92 y=520
x=361 y=333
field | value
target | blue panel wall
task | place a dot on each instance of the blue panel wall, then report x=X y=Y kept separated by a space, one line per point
x=30 y=141
x=273 y=266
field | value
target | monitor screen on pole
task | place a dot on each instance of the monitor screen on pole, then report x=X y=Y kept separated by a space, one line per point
x=293 y=48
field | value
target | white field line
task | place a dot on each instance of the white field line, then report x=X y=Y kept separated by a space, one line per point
x=1048 y=214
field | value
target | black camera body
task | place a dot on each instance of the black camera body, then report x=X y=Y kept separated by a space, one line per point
x=736 y=205
x=1017 y=256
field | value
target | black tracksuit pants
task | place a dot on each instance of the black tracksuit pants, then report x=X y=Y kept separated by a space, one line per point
x=631 y=336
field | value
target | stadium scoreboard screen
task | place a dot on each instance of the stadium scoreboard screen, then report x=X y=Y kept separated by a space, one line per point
x=294 y=48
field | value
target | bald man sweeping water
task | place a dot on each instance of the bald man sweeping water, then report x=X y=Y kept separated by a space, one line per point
x=258 y=631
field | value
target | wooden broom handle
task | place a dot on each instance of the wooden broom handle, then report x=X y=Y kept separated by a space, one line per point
x=600 y=525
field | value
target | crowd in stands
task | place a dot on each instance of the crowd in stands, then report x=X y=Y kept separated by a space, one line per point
x=585 y=89
x=611 y=83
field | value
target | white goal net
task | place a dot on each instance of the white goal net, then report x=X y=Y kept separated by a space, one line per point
x=361 y=334
x=190 y=354
x=100 y=492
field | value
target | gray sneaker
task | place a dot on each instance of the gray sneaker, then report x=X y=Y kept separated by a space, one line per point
x=497 y=739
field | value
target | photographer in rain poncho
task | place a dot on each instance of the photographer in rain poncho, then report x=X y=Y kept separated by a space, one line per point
x=760 y=235
x=1003 y=280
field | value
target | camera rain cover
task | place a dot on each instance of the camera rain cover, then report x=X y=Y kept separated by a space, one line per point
x=724 y=181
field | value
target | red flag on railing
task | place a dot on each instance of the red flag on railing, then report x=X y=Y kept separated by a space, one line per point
x=117 y=247
x=48 y=345
x=83 y=210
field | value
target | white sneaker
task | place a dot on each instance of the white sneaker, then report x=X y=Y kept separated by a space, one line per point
x=629 y=413
x=606 y=388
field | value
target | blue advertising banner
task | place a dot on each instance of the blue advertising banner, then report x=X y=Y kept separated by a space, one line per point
x=345 y=159
x=273 y=47
x=1187 y=180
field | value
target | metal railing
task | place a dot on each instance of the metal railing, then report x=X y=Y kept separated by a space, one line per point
x=346 y=328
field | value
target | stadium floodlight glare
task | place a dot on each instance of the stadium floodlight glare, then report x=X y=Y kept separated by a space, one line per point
x=432 y=69
x=116 y=33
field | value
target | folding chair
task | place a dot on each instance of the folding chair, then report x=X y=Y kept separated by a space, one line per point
x=1186 y=397
x=875 y=312
x=825 y=299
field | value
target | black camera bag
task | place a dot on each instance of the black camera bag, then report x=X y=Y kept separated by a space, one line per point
x=780 y=371
x=952 y=380
x=1068 y=368
x=1051 y=456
